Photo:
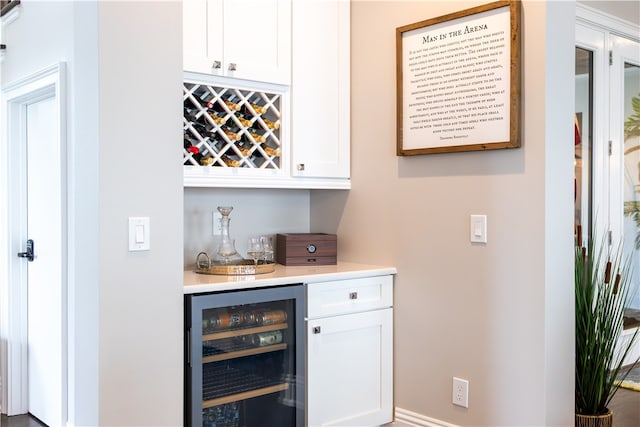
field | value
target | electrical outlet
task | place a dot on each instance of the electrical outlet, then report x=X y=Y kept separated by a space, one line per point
x=460 y=394
x=217 y=225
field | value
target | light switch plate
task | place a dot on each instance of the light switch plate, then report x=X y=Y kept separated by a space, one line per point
x=478 y=229
x=139 y=234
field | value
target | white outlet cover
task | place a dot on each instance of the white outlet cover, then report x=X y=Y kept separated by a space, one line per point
x=460 y=394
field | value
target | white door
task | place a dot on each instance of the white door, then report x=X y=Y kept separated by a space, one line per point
x=44 y=276
x=35 y=286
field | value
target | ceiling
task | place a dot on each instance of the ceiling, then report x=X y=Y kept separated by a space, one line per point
x=629 y=10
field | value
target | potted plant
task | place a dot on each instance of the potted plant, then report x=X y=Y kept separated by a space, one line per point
x=602 y=282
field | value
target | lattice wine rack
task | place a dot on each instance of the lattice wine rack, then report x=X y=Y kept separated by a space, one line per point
x=230 y=127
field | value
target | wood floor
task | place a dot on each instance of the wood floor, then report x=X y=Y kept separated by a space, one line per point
x=625 y=407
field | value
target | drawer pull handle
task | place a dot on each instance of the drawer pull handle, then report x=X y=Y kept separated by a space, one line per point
x=316 y=329
x=353 y=295
x=216 y=65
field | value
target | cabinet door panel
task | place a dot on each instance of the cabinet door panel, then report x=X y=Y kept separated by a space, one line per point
x=350 y=369
x=320 y=88
x=202 y=35
x=257 y=38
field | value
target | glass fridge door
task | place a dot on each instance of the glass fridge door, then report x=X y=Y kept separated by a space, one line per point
x=245 y=358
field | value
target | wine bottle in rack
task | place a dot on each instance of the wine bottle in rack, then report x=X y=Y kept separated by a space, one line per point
x=190 y=113
x=218 y=117
x=270 y=151
x=232 y=102
x=200 y=128
x=257 y=137
x=258 y=105
x=233 y=133
x=231 y=161
x=244 y=149
x=245 y=120
x=272 y=124
x=206 y=99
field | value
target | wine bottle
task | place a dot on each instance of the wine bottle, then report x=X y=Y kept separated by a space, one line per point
x=200 y=128
x=230 y=161
x=258 y=107
x=233 y=133
x=190 y=113
x=218 y=117
x=259 y=138
x=270 y=151
x=244 y=150
x=244 y=119
x=272 y=124
x=206 y=161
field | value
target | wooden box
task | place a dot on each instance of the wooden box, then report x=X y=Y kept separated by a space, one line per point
x=307 y=249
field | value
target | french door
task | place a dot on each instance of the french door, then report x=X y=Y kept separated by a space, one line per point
x=607 y=137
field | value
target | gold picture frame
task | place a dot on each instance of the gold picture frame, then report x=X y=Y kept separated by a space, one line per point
x=7 y=5
x=458 y=81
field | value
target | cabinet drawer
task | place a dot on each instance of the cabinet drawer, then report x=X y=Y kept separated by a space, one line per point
x=349 y=296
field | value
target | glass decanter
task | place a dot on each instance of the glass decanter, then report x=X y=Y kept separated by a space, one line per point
x=226 y=253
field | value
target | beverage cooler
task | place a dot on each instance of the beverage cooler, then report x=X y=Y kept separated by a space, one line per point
x=244 y=358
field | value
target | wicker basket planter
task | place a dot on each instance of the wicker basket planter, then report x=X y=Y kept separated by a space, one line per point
x=594 y=420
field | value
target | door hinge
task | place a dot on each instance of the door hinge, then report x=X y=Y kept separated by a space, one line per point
x=610 y=147
x=611 y=57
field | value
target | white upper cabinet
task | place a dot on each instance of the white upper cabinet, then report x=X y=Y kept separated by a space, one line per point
x=320 y=89
x=245 y=39
x=291 y=57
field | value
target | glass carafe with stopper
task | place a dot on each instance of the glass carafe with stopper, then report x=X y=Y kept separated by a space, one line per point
x=226 y=253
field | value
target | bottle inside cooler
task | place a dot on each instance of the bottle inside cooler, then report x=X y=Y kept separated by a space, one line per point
x=248 y=365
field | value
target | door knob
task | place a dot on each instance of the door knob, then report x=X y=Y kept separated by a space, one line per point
x=28 y=254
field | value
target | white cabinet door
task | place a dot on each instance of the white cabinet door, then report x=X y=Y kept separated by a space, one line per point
x=320 y=88
x=257 y=39
x=246 y=39
x=349 y=369
x=202 y=36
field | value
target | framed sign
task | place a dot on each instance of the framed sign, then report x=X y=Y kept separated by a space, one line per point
x=7 y=5
x=458 y=81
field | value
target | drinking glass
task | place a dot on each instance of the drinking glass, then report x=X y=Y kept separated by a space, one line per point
x=254 y=249
x=267 y=248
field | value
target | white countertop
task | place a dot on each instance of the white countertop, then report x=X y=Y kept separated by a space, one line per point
x=283 y=275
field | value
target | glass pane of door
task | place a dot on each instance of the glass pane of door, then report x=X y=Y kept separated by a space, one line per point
x=631 y=132
x=583 y=142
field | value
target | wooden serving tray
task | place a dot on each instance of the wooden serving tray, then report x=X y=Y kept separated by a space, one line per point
x=244 y=267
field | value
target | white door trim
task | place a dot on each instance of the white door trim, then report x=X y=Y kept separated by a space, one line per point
x=45 y=83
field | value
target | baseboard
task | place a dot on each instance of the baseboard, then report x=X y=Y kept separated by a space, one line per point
x=418 y=420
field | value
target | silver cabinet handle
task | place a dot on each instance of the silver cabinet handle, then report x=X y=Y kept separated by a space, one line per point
x=216 y=65
x=316 y=329
x=300 y=166
x=232 y=66
x=353 y=295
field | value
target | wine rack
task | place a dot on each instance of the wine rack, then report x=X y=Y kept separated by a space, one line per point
x=227 y=127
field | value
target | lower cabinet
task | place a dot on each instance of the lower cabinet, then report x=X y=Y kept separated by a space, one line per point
x=248 y=362
x=350 y=355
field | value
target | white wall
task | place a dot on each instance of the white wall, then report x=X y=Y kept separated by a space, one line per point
x=140 y=174
x=45 y=33
x=500 y=314
x=124 y=62
x=255 y=212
